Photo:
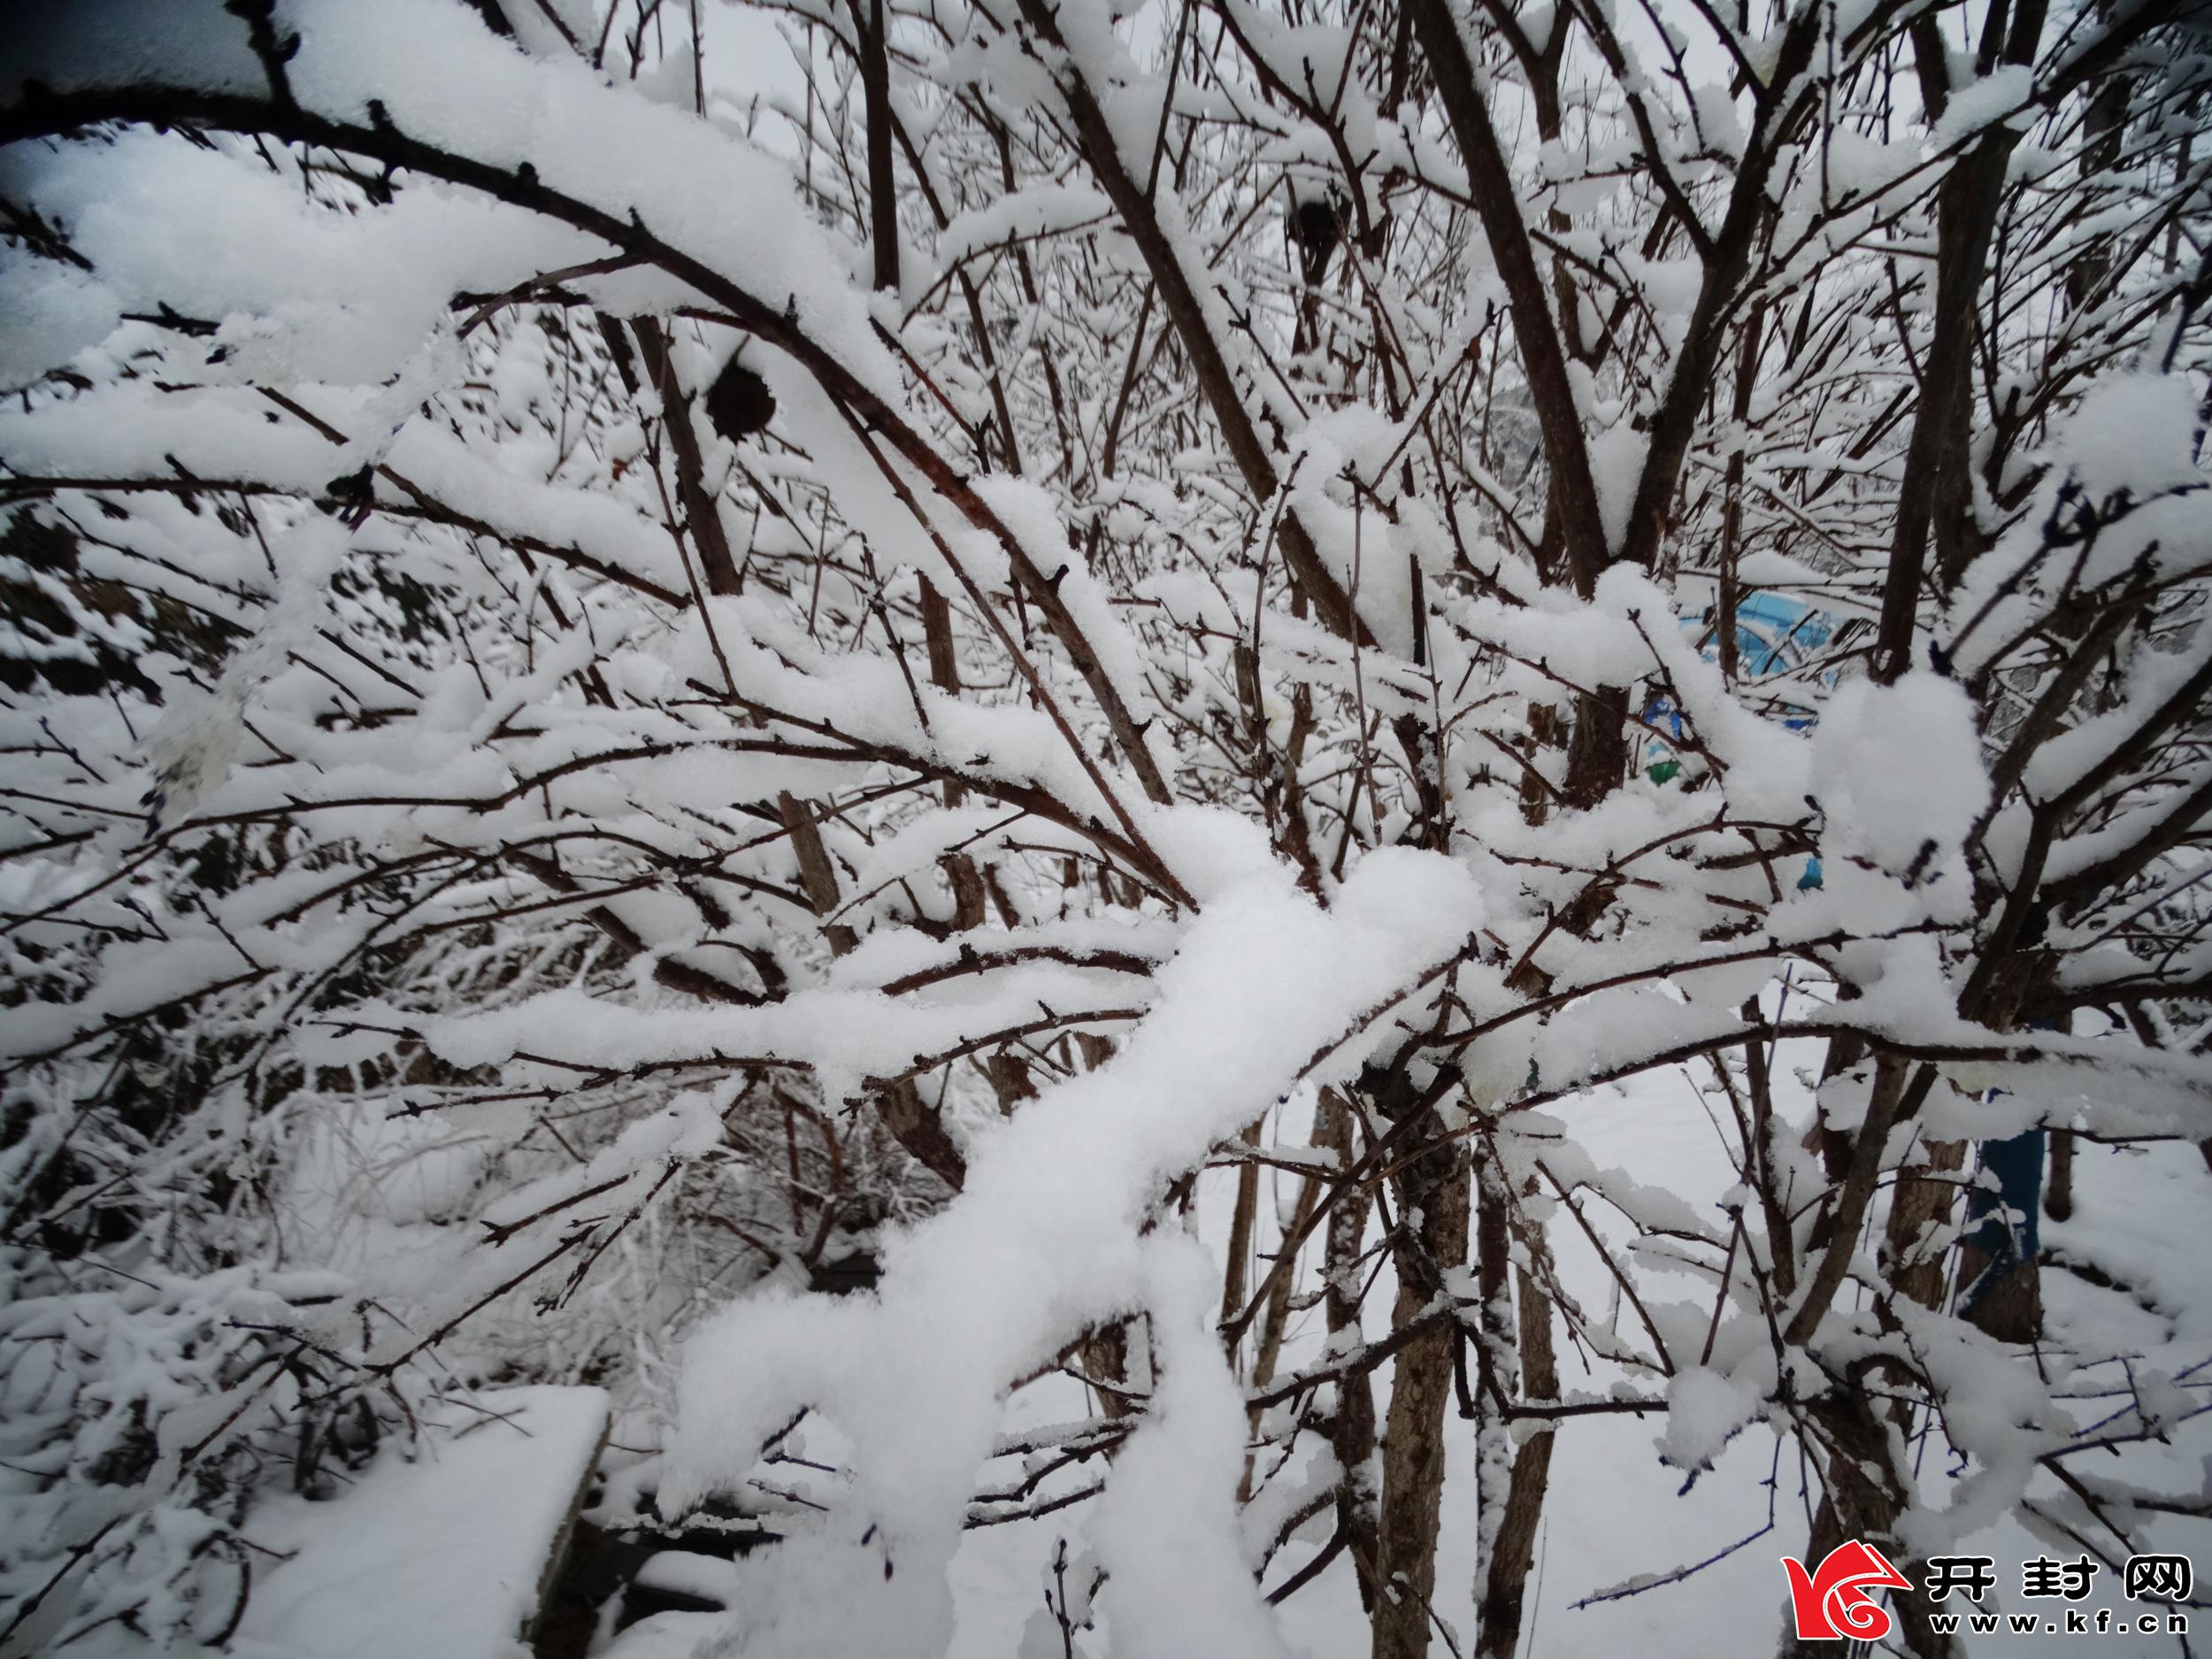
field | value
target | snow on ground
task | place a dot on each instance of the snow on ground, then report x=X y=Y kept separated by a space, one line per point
x=437 y=1558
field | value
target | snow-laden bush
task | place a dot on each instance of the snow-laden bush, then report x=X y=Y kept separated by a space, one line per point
x=625 y=702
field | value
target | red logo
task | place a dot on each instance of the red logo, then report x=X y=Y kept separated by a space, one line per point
x=1835 y=1605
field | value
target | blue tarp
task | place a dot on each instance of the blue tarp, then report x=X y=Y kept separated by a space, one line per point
x=2002 y=1224
x=1774 y=635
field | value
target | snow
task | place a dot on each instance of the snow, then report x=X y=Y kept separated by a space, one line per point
x=443 y=1555
x=413 y=984
x=1616 y=467
x=1617 y=1514
x=1166 y=1529
x=1040 y=1244
x=1900 y=776
x=1039 y=211
x=1984 y=103
x=2135 y=432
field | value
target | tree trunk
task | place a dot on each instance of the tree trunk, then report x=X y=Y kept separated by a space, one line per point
x=1966 y=212
x=1922 y=1200
x=875 y=85
x=1513 y=1551
x=1275 y=1318
x=1432 y=1215
x=1352 y=1433
x=1241 y=1219
x=1864 y=1494
x=2058 y=1196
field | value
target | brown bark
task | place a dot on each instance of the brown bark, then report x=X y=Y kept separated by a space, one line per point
x=702 y=517
x=1929 y=497
x=1241 y=1222
x=1760 y=1154
x=912 y=1125
x=1922 y=1199
x=1352 y=1432
x=1433 y=1195
x=1597 y=753
x=1865 y=1494
x=2058 y=1190
x=970 y=896
x=1546 y=730
x=1886 y=1103
x=1275 y=1316
x=1845 y=1052
x=2104 y=124
x=1105 y=1353
x=1513 y=1550
x=875 y=85
x=1186 y=315
x=1731 y=515
x=1573 y=488
x=2011 y=1309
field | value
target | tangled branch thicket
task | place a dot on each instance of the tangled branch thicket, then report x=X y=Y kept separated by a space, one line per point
x=624 y=708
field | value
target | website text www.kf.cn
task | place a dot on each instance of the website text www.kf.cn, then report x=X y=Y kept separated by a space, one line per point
x=1837 y=1601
